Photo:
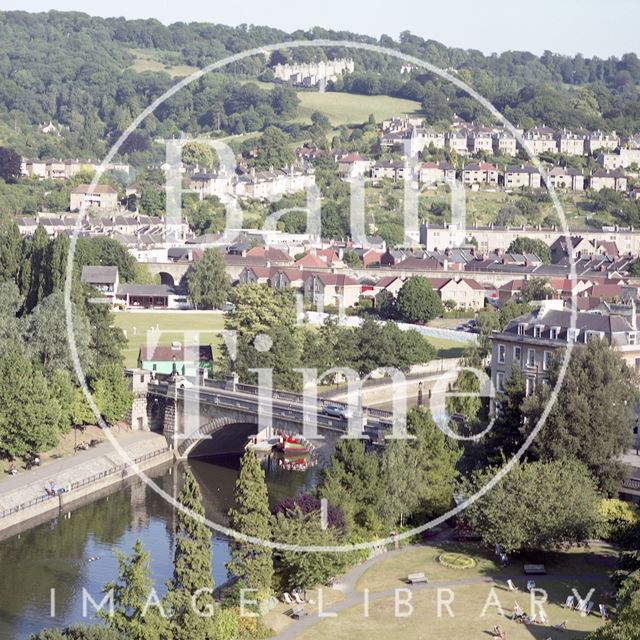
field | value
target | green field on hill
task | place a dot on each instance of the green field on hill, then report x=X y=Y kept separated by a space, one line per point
x=348 y=108
x=150 y=60
x=138 y=326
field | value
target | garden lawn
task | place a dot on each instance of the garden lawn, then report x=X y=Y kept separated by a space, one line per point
x=391 y=571
x=174 y=323
x=467 y=622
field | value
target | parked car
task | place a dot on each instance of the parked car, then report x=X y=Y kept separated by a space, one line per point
x=227 y=306
x=336 y=411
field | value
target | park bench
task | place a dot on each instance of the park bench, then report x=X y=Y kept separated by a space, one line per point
x=415 y=578
x=534 y=569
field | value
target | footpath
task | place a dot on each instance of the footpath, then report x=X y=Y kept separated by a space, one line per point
x=25 y=495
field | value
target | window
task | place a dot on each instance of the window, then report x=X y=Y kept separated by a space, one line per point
x=531 y=357
x=502 y=350
x=546 y=360
x=554 y=333
x=517 y=353
x=531 y=385
x=537 y=330
x=632 y=337
x=499 y=381
x=572 y=335
x=522 y=327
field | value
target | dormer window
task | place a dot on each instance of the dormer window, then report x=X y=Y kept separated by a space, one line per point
x=554 y=333
x=522 y=327
x=537 y=330
x=572 y=335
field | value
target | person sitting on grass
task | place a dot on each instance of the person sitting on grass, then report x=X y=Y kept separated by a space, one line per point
x=499 y=632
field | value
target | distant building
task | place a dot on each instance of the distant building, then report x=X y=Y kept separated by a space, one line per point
x=529 y=341
x=566 y=178
x=183 y=360
x=480 y=173
x=569 y=143
x=433 y=172
x=102 y=196
x=600 y=140
x=311 y=74
x=516 y=176
x=105 y=279
x=603 y=178
x=540 y=140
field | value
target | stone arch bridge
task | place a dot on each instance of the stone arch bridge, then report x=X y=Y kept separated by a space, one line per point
x=217 y=417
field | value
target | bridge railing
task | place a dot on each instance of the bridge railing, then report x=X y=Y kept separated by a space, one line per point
x=632 y=484
x=298 y=398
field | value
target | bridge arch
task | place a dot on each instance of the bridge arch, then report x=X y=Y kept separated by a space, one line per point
x=221 y=435
x=166 y=278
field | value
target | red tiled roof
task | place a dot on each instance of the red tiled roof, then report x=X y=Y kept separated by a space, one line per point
x=311 y=261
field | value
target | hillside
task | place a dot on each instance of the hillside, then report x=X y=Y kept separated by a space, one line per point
x=91 y=76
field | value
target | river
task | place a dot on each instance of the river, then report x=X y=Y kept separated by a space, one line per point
x=76 y=551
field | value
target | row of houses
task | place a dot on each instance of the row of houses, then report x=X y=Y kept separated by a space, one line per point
x=114 y=225
x=254 y=185
x=65 y=169
x=468 y=139
x=488 y=174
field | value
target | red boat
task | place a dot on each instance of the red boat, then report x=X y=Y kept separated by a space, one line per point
x=291 y=444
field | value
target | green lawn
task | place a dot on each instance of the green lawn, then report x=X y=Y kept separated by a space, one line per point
x=137 y=323
x=449 y=348
x=150 y=60
x=582 y=569
x=347 y=108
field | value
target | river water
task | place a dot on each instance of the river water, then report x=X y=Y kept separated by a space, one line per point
x=76 y=551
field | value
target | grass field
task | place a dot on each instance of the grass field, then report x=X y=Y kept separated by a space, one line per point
x=149 y=60
x=172 y=324
x=582 y=569
x=347 y=108
x=448 y=348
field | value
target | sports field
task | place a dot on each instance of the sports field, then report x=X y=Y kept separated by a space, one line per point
x=348 y=108
x=140 y=326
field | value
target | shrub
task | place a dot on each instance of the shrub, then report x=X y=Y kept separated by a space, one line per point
x=615 y=519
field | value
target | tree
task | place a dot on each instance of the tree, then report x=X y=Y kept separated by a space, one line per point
x=10 y=253
x=417 y=301
x=351 y=484
x=272 y=150
x=190 y=602
x=251 y=563
x=132 y=616
x=111 y=393
x=385 y=304
x=539 y=505
x=208 y=282
x=435 y=463
x=352 y=259
x=47 y=335
x=29 y=416
x=196 y=153
x=262 y=310
x=538 y=289
x=506 y=436
x=10 y=164
x=307 y=570
x=524 y=244
x=593 y=417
